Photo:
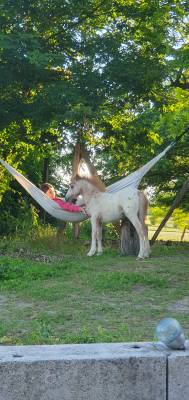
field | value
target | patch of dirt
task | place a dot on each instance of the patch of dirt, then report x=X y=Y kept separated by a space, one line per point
x=22 y=304
x=180 y=306
x=3 y=300
x=27 y=254
x=8 y=301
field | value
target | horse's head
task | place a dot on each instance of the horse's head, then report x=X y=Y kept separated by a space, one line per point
x=74 y=189
x=82 y=185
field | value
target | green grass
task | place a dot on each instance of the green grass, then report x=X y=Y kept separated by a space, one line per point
x=71 y=298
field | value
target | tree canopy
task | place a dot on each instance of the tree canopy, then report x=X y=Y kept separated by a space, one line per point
x=111 y=74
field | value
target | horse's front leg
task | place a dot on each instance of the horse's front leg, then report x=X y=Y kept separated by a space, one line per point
x=92 y=250
x=99 y=237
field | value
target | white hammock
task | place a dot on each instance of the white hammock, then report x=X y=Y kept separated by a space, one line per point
x=135 y=177
x=52 y=208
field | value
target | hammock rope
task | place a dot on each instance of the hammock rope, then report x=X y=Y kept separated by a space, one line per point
x=56 y=211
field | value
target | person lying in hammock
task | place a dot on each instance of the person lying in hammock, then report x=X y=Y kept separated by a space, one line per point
x=49 y=190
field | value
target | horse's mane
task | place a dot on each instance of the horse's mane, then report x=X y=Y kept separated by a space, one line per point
x=94 y=180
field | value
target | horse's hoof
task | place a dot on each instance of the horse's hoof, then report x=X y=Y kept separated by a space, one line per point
x=139 y=258
x=100 y=253
x=90 y=254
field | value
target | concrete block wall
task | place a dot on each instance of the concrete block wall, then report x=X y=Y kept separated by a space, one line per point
x=118 y=371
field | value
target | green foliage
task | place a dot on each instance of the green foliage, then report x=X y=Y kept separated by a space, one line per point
x=157 y=214
x=12 y=271
x=112 y=75
x=181 y=219
x=18 y=217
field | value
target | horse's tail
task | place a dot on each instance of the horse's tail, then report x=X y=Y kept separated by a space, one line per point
x=143 y=208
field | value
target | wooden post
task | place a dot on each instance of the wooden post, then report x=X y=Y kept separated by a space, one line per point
x=175 y=204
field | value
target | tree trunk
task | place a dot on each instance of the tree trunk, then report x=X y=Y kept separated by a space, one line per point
x=46 y=170
x=75 y=164
x=76 y=159
x=175 y=204
x=61 y=229
x=129 y=241
x=45 y=179
x=76 y=230
x=183 y=233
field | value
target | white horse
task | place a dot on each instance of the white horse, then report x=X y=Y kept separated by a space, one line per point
x=102 y=206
